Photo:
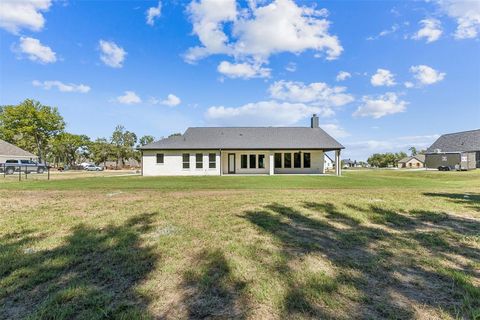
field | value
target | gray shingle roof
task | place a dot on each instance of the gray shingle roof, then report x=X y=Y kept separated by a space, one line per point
x=458 y=141
x=248 y=138
x=8 y=149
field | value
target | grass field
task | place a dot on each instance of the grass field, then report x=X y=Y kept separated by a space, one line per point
x=371 y=244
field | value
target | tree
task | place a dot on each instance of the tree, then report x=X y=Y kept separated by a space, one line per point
x=30 y=125
x=67 y=147
x=384 y=160
x=413 y=151
x=100 y=151
x=123 y=142
x=146 y=140
x=176 y=134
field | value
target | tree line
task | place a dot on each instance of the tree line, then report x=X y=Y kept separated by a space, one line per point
x=389 y=159
x=40 y=129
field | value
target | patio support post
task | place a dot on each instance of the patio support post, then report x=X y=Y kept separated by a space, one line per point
x=338 y=163
x=271 y=166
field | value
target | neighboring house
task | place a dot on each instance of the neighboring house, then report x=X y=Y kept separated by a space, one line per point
x=328 y=164
x=459 y=150
x=9 y=151
x=129 y=163
x=347 y=163
x=241 y=150
x=416 y=161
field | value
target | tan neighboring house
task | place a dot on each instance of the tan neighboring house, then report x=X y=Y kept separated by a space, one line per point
x=417 y=161
x=9 y=151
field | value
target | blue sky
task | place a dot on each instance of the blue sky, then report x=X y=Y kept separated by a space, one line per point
x=382 y=75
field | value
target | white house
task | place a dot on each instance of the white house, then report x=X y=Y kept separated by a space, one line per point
x=241 y=150
x=328 y=162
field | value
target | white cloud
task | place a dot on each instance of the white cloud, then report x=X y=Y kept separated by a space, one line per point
x=467 y=15
x=291 y=67
x=343 y=75
x=171 y=101
x=426 y=75
x=380 y=106
x=112 y=55
x=383 y=77
x=129 y=97
x=63 y=87
x=266 y=113
x=259 y=31
x=243 y=70
x=385 y=32
x=431 y=30
x=153 y=13
x=36 y=51
x=19 y=14
x=316 y=93
x=335 y=130
x=408 y=84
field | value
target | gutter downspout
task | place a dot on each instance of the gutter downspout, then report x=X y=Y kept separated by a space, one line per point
x=221 y=172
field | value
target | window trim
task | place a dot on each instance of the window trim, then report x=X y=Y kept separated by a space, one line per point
x=309 y=160
x=250 y=157
x=299 y=160
x=285 y=162
x=258 y=161
x=214 y=162
x=163 y=158
x=185 y=162
x=275 y=160
x=197 y=163
x=241 y=161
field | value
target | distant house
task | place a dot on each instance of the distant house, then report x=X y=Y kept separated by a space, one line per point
x=241 y=150
x=417 y=161
x=459 y=150
x=347 y=163
x=328 y=163
x=9 y=151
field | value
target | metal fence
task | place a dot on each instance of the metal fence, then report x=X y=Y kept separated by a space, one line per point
x=23 y=171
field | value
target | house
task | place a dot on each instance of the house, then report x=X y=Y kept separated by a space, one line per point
x=416 y=161
x=459 y=150
x=328 y=163
x=241 y=150
x=9 y=151
x=347 y=163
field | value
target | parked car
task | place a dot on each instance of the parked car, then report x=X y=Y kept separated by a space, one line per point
x=444 y=168
x=27 y=166
x=92 y=167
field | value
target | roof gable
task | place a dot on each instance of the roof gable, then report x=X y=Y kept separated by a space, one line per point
x=458 y=141
x=248 y=138
x=8 y=149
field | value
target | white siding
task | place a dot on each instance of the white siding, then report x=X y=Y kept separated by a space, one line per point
x=173 y=165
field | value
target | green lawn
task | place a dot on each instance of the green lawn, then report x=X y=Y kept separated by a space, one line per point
x=371 y=244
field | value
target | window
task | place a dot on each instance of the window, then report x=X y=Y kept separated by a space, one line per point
x=278 y=160
x=212 y=161
x=287 y=160
x=244 y=161
x=186 y=160
x=261 y=161
x=306 y=160
x=253 y=161
x=297 y=160
x=160 y=158
x=199 y=160
x=24 y=162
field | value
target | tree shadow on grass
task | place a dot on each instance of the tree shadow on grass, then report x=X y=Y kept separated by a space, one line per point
x=470 y=200
x=210 y=291
x=385 y=275
x=92 y=275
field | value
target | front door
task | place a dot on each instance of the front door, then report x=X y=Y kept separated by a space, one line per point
x=231 y=163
